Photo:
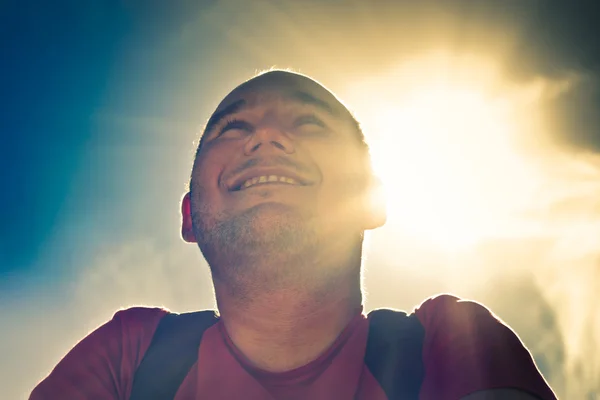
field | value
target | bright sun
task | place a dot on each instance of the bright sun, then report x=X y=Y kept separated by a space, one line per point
x=443 y=146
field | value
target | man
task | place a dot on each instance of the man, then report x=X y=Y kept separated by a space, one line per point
x=281 y=193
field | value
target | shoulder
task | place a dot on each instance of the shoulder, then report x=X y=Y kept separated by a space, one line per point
x=138 y=319
x=458 y=329
x=452 y=324
x=467 y=348
x=444 y=303
x=127 y=326
x=135 y=327
x=102 y=364
x=451 y=311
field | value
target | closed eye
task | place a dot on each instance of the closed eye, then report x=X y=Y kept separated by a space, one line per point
x=308 y=120
x=236 y=125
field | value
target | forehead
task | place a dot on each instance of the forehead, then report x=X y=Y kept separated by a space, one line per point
x=282 y=88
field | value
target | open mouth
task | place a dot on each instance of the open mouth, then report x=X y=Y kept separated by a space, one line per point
x=266 y=180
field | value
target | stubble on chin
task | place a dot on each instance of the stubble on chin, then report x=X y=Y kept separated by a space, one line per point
x=263 y=248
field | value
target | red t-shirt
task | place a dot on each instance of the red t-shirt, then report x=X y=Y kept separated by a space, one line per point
x=461 y=342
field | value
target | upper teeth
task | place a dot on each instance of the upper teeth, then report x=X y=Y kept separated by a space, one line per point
x=268 y=178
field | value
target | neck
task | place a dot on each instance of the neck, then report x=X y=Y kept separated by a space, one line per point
x=279 y=330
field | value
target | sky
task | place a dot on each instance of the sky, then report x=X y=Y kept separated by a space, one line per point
x=483 y=123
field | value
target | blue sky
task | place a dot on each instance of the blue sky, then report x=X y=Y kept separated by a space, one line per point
x=85 y=86
x=102 y=102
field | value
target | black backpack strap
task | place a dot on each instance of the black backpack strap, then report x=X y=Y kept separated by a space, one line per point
x=172 y=352
x=394 y=353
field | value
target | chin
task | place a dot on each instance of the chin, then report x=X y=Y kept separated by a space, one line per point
x=272 y=207
x=259 y=242
x=268 y=218
x=271 y=228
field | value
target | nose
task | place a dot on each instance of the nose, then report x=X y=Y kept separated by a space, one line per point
x=269 y=138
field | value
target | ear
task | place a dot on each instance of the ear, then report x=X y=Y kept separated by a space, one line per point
x=376 y=213
x=187 y=232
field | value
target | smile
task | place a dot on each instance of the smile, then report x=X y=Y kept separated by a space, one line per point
x=264 y=179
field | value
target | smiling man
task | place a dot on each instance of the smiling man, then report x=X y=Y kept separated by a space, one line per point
x=281 y=194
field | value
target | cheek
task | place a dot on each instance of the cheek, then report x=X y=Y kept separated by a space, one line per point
x=342 y=165
x=343 y=181
x=207 y=170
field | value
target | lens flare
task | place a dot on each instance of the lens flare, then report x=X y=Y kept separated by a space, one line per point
x=445 y=154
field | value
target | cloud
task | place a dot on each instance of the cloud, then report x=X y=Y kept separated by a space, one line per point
x=572 y=116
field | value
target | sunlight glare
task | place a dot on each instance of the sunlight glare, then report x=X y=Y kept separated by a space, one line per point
x=444 y=152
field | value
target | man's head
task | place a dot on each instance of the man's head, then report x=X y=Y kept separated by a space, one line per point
x=282 y=176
